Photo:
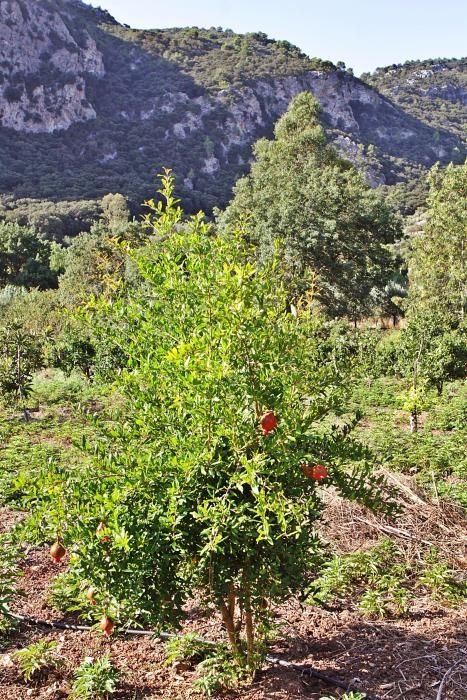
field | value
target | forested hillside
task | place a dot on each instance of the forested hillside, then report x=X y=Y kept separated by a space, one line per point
x=433 y=91
x=91 y=106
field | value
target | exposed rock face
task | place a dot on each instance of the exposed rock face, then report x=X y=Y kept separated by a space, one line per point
x=254 y=108
x=43 y=68
x=102 y=108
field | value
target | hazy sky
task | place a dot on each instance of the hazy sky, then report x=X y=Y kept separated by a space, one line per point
x=362 y=33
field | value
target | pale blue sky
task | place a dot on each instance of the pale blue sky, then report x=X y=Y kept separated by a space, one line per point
x=362 y=33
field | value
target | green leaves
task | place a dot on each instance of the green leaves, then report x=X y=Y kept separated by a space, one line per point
x=333 y=229
x=191 y=492
x=438 y=276
x=21 y=354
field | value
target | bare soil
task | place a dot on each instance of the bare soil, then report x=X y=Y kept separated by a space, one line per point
x=400 y=659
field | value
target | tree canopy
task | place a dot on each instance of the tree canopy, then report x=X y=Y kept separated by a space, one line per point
x=301 y=192
x=437 y=258
x=24 y=258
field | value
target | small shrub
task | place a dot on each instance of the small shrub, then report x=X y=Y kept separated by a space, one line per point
x=58 y=389
x=387 y=596
x=37 y=659
x=67 y=594
x=95 y=680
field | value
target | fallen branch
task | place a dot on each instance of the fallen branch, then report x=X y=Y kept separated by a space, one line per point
x=388 y=529
x=446 y=677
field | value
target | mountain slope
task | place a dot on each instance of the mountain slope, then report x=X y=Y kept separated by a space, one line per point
x=93 y=106
x=433 y=91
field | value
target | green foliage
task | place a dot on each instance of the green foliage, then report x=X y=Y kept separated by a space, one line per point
x=30 y=447
x=37 y=659
x=24 y=258
x=380 y=583
x=68 y=595
x=188 y=647
x=433 y=349
x=329 y=221
x=218 y=672
x=190 y=491
x=374 y=575
x=438 y=579
x=95 y=680
x=216 y=668
x=50 y=220
x=21 y=354
x=9 y=574
x=436 y=453
x=438 y=276
x=115 y=212
x=53 y=388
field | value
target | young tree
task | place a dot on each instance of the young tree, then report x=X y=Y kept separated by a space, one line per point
x=302 y=192
x=432 y=351
x=210 y=478
x=20 y=356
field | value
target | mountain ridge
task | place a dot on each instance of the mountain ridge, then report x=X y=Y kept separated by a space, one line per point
x=95 y=106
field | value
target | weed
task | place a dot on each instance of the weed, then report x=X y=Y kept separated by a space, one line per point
x=216 y=667
x=187 y=647
x=387 y=596
x=9 y=573
x=218 y=672
x=95 y=680
x=343 y=574
x=438 y=578
x=37 y=659
x=67 y=594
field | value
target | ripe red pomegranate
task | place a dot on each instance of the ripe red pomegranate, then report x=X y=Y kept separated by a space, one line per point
x=314 y=471
x=100 y=529
x=57 y=552
x=107 y=625
x=91 y=594
x=268 y=422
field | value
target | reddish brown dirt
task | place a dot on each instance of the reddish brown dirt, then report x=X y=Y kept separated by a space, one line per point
x=393 y=660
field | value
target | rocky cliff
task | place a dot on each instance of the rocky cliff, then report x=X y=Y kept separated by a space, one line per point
x=89 y=106
x=43 y=67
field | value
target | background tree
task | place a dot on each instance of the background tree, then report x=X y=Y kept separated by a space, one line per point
x=302 y=192
x=115 y=211
x=437 y=259
x=24 y=258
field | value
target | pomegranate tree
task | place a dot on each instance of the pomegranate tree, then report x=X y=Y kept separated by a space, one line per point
x=197 y=484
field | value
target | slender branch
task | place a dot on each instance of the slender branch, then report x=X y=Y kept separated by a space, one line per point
x=446 y=677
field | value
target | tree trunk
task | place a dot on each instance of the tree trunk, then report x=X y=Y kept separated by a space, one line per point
x=229 y=624
x=250 y=630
